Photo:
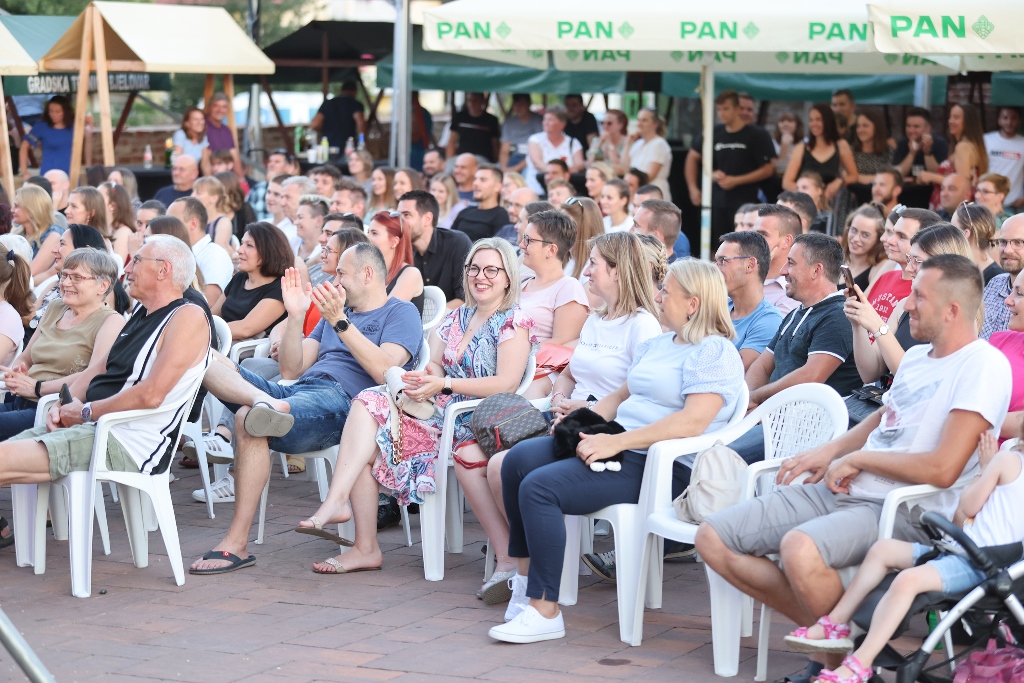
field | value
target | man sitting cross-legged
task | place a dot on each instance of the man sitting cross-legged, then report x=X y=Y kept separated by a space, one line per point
x=947 y=392
x=363 y=333
x=155 y=361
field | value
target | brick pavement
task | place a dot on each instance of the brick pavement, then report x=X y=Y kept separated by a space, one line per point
x=281 y=622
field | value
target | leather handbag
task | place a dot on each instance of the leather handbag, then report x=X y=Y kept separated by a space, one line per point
x=551 y=358
x=863 y=402
x=421 y=410
x=501 y=421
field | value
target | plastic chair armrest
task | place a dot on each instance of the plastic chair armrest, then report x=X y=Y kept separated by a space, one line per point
x=894 y=499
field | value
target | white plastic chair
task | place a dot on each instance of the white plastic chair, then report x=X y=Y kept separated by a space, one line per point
x=794 y=420
x=435 y=305
x=441 y=512
x=318 y=460
x=81 y=496
x=212 y=408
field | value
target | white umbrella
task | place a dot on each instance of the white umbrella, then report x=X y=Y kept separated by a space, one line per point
x=987 y=27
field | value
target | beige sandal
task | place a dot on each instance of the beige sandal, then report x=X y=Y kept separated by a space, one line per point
x=318 y=530
x=296 y=464
x=338 y=569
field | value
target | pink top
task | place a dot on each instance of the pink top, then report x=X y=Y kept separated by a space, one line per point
x=888 y=291
x=1012 y=345
x=12 y=328
x=541 y=305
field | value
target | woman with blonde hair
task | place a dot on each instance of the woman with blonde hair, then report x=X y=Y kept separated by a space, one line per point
x=589 y=224
x=120 y=217
x=879 y=351
x=597 y=174
x=446 y=192
x=407 y=180
x=235 y=206
x=382 y=191
x=32 y=212
x=219 y=226
x=122 y=175
x=657 y=258
x=979 y=226
x=479 y=349
x=967 y=155
x=683 y=383
x=649 y=151
x=360 y=167
x=86 y=206
x=611 y=145
x=512 y=181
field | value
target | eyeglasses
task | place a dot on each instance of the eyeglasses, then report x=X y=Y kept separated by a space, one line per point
x=527 y=240
x=328 y=250
x=490 y=272
x=74 y=278
x=138 y=259
x=1003 y=244
x=984 y=191
x=722 y=260
x=915 y=261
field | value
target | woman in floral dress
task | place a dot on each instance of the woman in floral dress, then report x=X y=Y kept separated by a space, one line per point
x=480 y=349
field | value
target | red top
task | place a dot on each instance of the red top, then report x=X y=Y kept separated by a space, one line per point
x=889 y=289
x=312 y=318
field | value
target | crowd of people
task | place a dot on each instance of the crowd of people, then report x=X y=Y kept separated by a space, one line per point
x=817 y=287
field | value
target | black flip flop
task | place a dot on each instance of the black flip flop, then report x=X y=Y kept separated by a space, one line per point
x=236 y=562
x=6 y=541
x=262 y=421
x=813 y=669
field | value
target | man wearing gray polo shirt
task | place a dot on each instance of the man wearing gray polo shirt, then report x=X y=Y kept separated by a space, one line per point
x=211 y=258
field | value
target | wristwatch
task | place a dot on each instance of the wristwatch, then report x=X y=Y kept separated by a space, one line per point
x=39 y=389
x=87 y=412
x=447 y=391
x=883 y=330
x=342 y=325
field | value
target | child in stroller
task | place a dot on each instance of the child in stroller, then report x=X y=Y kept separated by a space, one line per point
x=991 y=512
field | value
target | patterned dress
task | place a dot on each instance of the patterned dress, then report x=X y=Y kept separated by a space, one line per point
x=413 y=475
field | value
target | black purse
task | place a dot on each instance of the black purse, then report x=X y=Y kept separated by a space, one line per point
x=501 y=421
x=863 y=402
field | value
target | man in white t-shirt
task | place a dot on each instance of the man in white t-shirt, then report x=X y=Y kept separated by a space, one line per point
x=1006 y=155
x=211 y=259
x=947 y=392
x=293 y=188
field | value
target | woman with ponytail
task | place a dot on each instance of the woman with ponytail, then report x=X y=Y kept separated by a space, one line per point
x=16 y=303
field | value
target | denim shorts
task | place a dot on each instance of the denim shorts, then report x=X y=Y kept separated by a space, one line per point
x=957 y=573
x=320 y=407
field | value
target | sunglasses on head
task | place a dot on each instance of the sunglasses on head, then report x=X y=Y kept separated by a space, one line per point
x=283 y=152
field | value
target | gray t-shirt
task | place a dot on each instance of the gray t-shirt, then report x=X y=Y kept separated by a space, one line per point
x=821 y=328
x=396 y=322
x=518 y=133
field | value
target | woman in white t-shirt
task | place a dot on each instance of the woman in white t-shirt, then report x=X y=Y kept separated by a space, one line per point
x=15 y=304
x=619 y=276
x=553 y=143
x=615 y=205
x=649 y=151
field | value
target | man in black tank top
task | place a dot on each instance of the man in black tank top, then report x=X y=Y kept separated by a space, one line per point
x=155 y=362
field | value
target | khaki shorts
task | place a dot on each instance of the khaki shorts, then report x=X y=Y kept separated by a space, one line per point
x=842 y=527
x=70 y=449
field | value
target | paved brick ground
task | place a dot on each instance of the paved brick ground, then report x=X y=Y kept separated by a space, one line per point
x=279 y=621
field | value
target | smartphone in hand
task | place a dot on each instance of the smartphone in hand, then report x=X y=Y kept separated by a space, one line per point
x=848 y=277
x=65 y=395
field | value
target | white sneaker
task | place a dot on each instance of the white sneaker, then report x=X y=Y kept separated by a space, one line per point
x=529 y=627
x=602 y=527
x=498 y=589
x=518 y=602
x=223 y=491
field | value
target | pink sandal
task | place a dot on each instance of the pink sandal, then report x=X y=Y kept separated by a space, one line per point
x=836 y=640
x=860 y=673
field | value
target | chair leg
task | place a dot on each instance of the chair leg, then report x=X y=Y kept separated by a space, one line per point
x=284 y=464
x=164 y=510
x=263 y=512
x=113 y=491
x=44 y=495
x=101 y=519
x=432 y=518
x=194 y=431
x=644 y=578
x=59 y=513
x=149 y=515
x=569 y=588
x=586 y=545
x=138 y=537
x=23 y=519
x=747 y=629
x=627 y=570
x=81 y=500
x=405 y=524
x=320 y=473
x=726 y=615
x=489 y=561
x=763 y=633
x=453 y=520
x=655 y=574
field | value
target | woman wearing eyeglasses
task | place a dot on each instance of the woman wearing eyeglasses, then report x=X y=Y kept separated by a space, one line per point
x=388 y=234
x=479 y=349
x=611 y=145
x=991 y=193
x=979 y=226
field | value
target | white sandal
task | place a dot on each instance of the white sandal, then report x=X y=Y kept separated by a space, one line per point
x=223 y=491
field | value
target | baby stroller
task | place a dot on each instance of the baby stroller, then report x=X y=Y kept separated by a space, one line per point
x=991 y=610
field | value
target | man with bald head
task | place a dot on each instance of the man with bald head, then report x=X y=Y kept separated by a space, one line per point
x=517 y=201
x=184 y=172
x=955 y=190
x=61 y=185
x=464 y=172
x=1010 y=245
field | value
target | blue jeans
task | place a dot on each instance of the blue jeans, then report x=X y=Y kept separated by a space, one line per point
x=319 y=406
x=16 y=415
x=750 y=446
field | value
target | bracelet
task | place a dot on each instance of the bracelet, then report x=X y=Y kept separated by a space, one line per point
x=558 y=393
x=39 y=389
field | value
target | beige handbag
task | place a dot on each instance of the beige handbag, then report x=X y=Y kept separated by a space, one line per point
x=715 y=484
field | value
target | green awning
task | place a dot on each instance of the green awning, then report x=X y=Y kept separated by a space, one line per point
x=37 y=34
x=806 y=88
x=448 y=71
x=1008 y=89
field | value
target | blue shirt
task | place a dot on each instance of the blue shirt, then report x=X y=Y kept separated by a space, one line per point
x=681 y=248
x=396 y=322
x=56 y=144
x=758 y=329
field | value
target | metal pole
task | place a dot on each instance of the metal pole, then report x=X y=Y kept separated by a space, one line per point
x=923 y=91
x=401 y=128
x=707 y=101
x=253 y=125
x=22 y=653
